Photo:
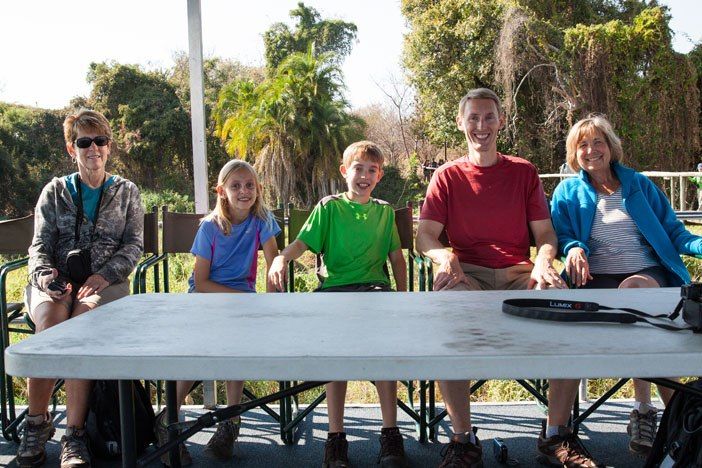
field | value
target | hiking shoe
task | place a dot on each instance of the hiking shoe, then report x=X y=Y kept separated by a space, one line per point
x=74 y=448
x=31 y=452
x=462 y=455
x=336 y=451
x=564 y=449
x=221 y=445
x=161 y=431
x=642 y=431
x=392 y=450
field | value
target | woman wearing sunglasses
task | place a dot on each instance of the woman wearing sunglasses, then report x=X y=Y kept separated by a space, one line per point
x=88 y=229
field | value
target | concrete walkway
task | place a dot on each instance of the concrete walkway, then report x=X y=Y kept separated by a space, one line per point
x=517 y=424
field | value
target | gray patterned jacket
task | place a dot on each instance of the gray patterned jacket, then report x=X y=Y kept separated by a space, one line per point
x=118 y=243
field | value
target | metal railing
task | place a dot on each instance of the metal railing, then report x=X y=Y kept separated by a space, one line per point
x=674 y=184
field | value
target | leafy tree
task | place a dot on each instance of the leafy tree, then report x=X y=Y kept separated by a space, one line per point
x=217 y=73
x=326 y=36
x=551 y=71
x=150 y=125
x=294 y=126
x=32 y=151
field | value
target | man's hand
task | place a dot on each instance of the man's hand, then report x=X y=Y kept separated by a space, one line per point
x=277 y=275
x=544 y=276
x=449 y=273
x=577 y=267
x=94 y=284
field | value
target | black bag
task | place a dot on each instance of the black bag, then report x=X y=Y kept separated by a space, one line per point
x=103 y=426
x=79 y=265
x=679 y=439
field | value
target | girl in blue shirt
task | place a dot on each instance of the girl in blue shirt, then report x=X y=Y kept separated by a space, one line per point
x=226 y=254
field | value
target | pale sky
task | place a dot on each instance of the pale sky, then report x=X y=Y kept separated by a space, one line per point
x=46 y=46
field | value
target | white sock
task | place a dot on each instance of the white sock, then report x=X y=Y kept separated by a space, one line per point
x=643 y=408
x=464 y=437
x=552 y=431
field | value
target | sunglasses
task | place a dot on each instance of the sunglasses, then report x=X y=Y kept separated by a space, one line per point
x=85 y=142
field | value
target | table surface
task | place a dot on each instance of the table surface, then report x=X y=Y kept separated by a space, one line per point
x=355 y=336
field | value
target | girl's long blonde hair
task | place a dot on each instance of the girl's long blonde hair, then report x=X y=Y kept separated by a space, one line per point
x=220 y=215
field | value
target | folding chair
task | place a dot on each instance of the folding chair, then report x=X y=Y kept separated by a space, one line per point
x=178 y=232
x=538 y=388
x=151 y=253
x=405 y=225
x=15 y=239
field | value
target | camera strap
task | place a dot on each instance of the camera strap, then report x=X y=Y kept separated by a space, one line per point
x=591 y=312
x=79 y=214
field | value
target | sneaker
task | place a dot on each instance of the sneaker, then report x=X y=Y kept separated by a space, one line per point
x=336 y=451
x=74 y=448
x=462 y=455
x=565 y=450
x=221 y=445
x=392 y=449
x=161 y=431
x=642 y=431
x=31 y=452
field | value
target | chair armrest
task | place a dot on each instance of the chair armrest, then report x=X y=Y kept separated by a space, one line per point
x=139 y=279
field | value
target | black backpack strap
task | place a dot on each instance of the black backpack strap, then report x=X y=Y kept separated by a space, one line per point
x=580 y=311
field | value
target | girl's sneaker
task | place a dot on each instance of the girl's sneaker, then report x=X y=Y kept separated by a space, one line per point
x=221 y=445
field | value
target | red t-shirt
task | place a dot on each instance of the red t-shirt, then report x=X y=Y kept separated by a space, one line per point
x=485 y=210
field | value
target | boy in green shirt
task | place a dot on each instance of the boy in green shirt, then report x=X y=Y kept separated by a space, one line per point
x=355 y=234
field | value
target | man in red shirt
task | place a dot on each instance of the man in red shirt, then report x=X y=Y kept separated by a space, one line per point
x=487 y=203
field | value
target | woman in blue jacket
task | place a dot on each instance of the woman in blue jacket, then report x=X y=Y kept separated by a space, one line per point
x=618 y=230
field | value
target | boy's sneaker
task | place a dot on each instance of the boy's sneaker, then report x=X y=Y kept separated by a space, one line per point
x=642 y=431
x=336 y=451
x=221 y=445
x=462 y=455
x=161 y=431
x=74 y=448
x=32 y=452
x=564 y=449
x=392 y=449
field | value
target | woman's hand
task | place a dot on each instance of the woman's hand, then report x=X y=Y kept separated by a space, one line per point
x=94 y=284
x=48 y=277
x=577 y=267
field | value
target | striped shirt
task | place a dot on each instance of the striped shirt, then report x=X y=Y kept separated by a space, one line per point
x=616 y=244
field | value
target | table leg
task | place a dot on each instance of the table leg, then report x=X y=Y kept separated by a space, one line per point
x=126 y=420
x=172 y=418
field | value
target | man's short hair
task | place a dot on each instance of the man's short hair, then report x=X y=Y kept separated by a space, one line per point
x=86 y=120
x=587 y=126
x=479 y=93
x=365 y=151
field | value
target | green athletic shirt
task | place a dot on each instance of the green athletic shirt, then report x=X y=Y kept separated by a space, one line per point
x=354 y=239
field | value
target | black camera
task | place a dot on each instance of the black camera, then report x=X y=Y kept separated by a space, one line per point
x=692 y=305
x=79 y=266
x=57 y=286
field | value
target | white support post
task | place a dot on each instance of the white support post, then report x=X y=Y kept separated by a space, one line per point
x=582 y=390
x=683 y=192
x=197 y=106
x=209 y=394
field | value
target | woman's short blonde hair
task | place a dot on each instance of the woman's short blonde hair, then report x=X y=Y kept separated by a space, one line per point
x=588 y=126
x=86 y=120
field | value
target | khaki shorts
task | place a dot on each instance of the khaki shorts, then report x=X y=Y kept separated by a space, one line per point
x=33 y=296
x=492 y=279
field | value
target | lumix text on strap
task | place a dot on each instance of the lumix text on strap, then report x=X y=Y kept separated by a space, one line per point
x=591 y=312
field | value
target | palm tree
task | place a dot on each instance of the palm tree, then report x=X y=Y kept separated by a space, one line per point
x=293 y=126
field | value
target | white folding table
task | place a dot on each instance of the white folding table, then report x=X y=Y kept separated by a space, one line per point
x=352 y=336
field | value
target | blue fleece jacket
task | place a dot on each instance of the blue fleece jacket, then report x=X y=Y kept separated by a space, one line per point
x=573 y=212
